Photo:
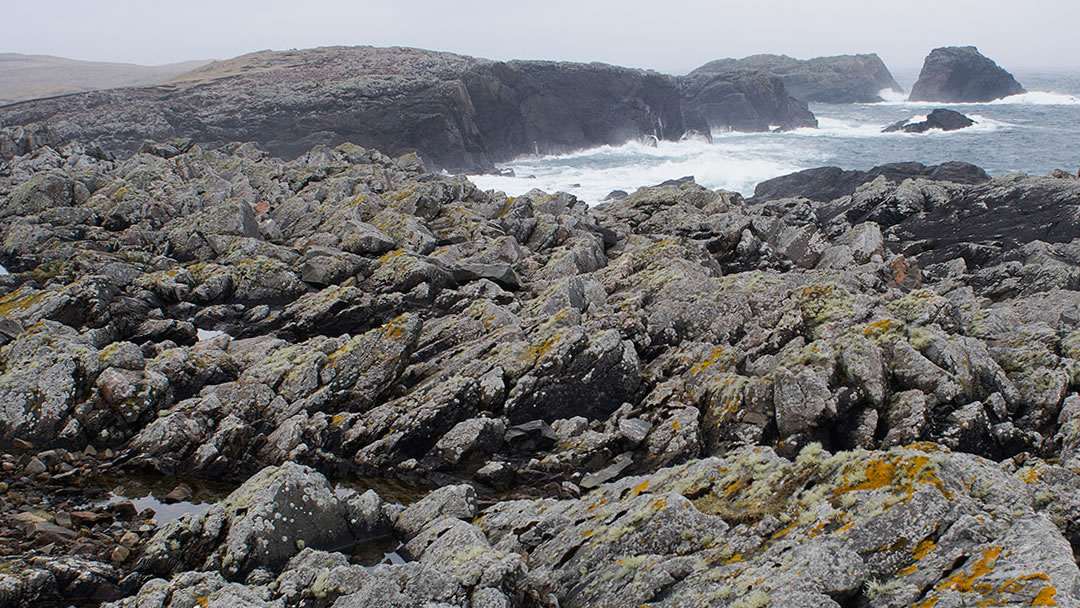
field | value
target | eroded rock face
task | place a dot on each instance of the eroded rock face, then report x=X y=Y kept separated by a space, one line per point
x=962 y=73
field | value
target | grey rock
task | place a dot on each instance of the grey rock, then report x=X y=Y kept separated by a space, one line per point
x=454 y=502
x=262 y=524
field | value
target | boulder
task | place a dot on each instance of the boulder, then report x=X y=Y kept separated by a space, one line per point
x=264 y=523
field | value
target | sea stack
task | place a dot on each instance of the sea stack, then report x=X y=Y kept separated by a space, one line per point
x=962 y=74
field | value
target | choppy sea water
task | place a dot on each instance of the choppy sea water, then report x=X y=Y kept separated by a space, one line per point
x=1032 y=133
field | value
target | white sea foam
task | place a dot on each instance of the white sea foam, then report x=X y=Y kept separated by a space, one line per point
x=736 y=161
x=3 y=270
x=1031 y=98
x=892 y=95
x=1039 y=98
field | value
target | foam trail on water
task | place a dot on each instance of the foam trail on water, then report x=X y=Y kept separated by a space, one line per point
x=1031 y=98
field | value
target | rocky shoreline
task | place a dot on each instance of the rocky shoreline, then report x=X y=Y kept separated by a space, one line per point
x=854 y=389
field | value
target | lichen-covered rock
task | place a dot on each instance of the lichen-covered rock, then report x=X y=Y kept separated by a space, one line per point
x=272 y=517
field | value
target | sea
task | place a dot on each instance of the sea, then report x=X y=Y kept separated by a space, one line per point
x=1032 y=133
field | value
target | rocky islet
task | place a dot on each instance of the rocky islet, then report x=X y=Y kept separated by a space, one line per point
x=962 y=74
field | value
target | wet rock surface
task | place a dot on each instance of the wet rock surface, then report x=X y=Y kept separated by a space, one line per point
x=676 y=398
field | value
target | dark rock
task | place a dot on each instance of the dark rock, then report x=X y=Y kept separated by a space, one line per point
x=962 y=74
x=840 y=79
x=180 y=493
x=828 y=183
x=946 y=120
x=743 y=101
x=484 y=112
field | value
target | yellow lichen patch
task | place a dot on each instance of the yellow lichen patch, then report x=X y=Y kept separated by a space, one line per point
x=1031 y=474
x=965 y=582
x=675 y=425
x=338 y=418
x=1045 y=597
x=783 y=532
x=901 y=474
x=395 y=329
x=641 y=487
x=923 y=548
x=536 y=351
x=386 y=257
x=912 y=569
x=883 y=328
x=929 y=602
x=718 y=355
x=202 y=601
x=20 y=300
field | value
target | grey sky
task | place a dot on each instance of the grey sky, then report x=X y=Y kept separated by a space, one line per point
x=672 y=36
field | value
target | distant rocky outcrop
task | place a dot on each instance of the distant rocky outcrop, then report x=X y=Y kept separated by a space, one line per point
x=946 y=120
x=24 y=77
x=459 y=113
x=828 y=183
x=962 y=74
x=839 y=79
x=743 y=101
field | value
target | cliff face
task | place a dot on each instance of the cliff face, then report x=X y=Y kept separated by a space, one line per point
x=460 y=113
x=839 y=79
x=744 y=101
x=962 y=73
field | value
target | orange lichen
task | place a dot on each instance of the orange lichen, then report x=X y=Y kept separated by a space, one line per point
x=641 y=487
x=900 y=473
x=1045 y=597
x=923 y=548
x=929 y=602
x=965 y=582
x=714 y=357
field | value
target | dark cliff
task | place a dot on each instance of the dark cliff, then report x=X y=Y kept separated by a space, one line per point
x=459 y=113
x=839 y=79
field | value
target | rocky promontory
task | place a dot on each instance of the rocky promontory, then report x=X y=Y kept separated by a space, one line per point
x=864 y=397
x=962 y=74
x=839 y=79
x=459 y=113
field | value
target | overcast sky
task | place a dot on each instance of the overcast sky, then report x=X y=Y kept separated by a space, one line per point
x=671 y=35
